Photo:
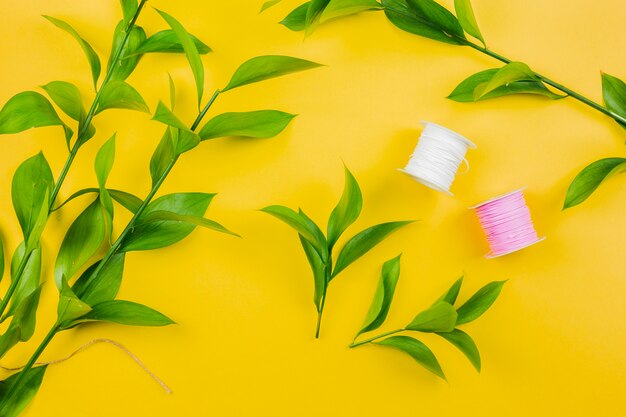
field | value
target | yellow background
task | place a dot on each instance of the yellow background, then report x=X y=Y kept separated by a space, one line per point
x=553 y=344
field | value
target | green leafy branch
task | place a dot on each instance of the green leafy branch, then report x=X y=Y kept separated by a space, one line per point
x=156 y=222
x=31 y=109
x=429 y=19
x=441 y=318
x=319 y=247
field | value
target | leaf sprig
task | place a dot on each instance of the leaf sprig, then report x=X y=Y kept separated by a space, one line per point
x=156 y=222
x=318 y=247
x=441 y=318
x=429 y=19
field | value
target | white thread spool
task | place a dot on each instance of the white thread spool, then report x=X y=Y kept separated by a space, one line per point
x=437 y=157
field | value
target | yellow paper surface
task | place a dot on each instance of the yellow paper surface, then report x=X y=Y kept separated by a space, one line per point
x=552 y=345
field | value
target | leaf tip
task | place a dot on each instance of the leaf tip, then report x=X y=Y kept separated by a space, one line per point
x=229 y=232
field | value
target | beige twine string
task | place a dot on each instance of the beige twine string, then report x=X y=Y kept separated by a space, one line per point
x=96 y=341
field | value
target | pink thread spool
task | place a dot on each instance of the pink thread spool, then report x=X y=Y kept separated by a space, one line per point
x=507 y=223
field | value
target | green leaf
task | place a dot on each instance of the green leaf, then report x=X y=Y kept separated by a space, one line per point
x=465 y=344
x=166 y=41
x=172 y=92
x=165 y=116
x=441 y=317
x=82 y=241
x=129 y=8
x=89 y=133
x=159 y=234
x=14 y=399
x=479 y=302
x=363 y=242
x=268 y=4
x=162 y=215
x=27 y=110
x=39 y=222
x=104 y=286
x=313 y=14
x=511 y=72
x=465 y=14
x=70 y=306
x=614 y=94
x=163 y=155
x=9 y=339
x=125 y=312
x=424 y=18
x=1 y=259
x=296 y=20
x=25 y=314
x=417 y=350
x=341 y=8
x=253 y=124
x=129 y=56
x=129 y=201
x=347 y=210
x=22 y=326
x=103 y=166
x=92 y=57
x=30 y=278
x=190 y=50
x=464 y=92
x=451 y=295
x=318 y=268
x=590 y=178
x=104 y=161
x=77 y=194
x=317 y=232
x=383 y=297
x=67 y=97
x=121 y=95
x=300 y=223
x=265 y=67
x=437 y=16
x=32 y=184
x=182 y=138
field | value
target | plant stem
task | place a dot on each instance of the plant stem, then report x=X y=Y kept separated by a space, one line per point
x=84 y=126
x=328 y=274
x=129 y=226
x=547 y=80
x=319 y=316
x=31 y=362
x=206 y=108
x=14 y=282
x=83 y=129
x=371 y=339
x=501 y=58
x=113 y=248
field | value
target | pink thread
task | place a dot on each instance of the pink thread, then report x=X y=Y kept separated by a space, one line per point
x=507 y=224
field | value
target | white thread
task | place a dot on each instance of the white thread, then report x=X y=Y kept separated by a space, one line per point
x=437 y=157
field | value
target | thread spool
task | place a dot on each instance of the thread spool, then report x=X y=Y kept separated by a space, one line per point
x=507 y=223
x=437 y=157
